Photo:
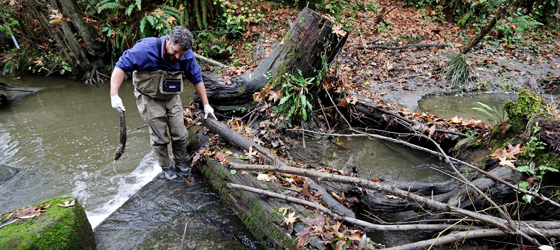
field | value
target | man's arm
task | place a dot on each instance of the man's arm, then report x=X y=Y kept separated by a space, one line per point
x=116 y=81
x=201 y=90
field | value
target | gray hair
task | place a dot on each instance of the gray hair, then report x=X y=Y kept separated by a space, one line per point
x=182 y=36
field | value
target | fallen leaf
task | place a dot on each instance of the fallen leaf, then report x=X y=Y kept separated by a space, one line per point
x=392 y=197
x=170 y=19
x=68 y=204
x=506 y=162
x=291 y=218
x=263 y=177
x=338 y=30
x=56 y=17
x=283 y=210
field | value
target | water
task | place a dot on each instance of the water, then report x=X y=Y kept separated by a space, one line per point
x=461 y=105
x=64 y=138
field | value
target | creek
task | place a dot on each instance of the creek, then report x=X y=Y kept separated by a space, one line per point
x=63 y=140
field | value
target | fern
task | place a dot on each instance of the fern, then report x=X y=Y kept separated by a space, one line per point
x=171 y=11
x=129 y=10
x=107 y=5
x=139 y=4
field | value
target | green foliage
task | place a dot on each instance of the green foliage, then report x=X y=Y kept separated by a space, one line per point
x=382 y=27
x=296 y=98
x=492 y=112
x=532 y=146
x=214 y=43
x=535 y=173
x=238 y=13
x=338 y=7
x=457 y=72
x=514 y=27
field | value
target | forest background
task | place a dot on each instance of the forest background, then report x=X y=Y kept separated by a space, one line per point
x=84 y=38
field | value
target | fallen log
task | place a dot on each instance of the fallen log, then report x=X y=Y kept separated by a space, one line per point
x=10 y=93
x=310 y=40
x=424 y=201
x=367 y=225
x=244 y=143
x=210 y=61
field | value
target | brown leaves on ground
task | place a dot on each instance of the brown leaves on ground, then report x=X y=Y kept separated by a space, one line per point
x=330 y=234
x=507 y=155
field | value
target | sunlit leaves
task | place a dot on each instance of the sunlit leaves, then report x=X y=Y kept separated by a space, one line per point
x=56 y=17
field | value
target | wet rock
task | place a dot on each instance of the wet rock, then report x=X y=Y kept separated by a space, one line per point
x=200 y=235
x=56 y=228
x=7 y=173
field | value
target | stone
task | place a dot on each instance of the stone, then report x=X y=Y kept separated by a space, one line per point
x=56 y=228
x=7 y=172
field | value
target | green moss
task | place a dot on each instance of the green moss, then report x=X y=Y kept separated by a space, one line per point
x=58 y=228
x=551 y=159
x=528 y=106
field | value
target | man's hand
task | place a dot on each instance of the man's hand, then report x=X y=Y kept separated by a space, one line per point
x=116 y=102
x=208 y=110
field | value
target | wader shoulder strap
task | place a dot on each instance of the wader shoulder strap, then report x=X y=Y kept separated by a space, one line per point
x=160 y=61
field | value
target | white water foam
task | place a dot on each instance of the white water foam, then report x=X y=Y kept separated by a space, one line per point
x=144 y=173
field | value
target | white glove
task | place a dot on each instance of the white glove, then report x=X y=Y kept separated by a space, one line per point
x=116 y=102
x=208 y=110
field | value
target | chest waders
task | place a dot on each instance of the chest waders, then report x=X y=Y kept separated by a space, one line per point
x=159 y=103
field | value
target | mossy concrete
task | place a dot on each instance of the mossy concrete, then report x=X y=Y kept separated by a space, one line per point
x=57 y=228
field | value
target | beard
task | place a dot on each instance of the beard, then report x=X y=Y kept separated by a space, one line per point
x=169 y=57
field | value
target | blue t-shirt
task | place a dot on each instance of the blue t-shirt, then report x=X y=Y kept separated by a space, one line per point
x=144 y=56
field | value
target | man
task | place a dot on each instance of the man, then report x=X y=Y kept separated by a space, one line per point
x=156 y=64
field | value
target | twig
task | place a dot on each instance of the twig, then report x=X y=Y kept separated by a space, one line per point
x=324 y=115
x=408 y=144
x=408 y=46
x=408 y=76
x=143 y=126
x=210 y=61
x=452 y=237
x=303 y=137
x=491 y=220
x=332 y=101
x=184 y=234
x=369 y=226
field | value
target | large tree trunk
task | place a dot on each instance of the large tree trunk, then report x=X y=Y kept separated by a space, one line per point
x=73 y=45
x=310 y=41
x=69 y=7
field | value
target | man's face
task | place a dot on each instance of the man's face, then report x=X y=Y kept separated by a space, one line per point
x=172 y=51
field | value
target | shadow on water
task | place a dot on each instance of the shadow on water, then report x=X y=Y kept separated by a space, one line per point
x=63 y=140
x=155 y=218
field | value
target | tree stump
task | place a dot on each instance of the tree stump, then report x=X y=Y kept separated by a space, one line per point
x=312 y=39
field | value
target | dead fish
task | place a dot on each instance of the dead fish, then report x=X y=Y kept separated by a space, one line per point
x=122 y=137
